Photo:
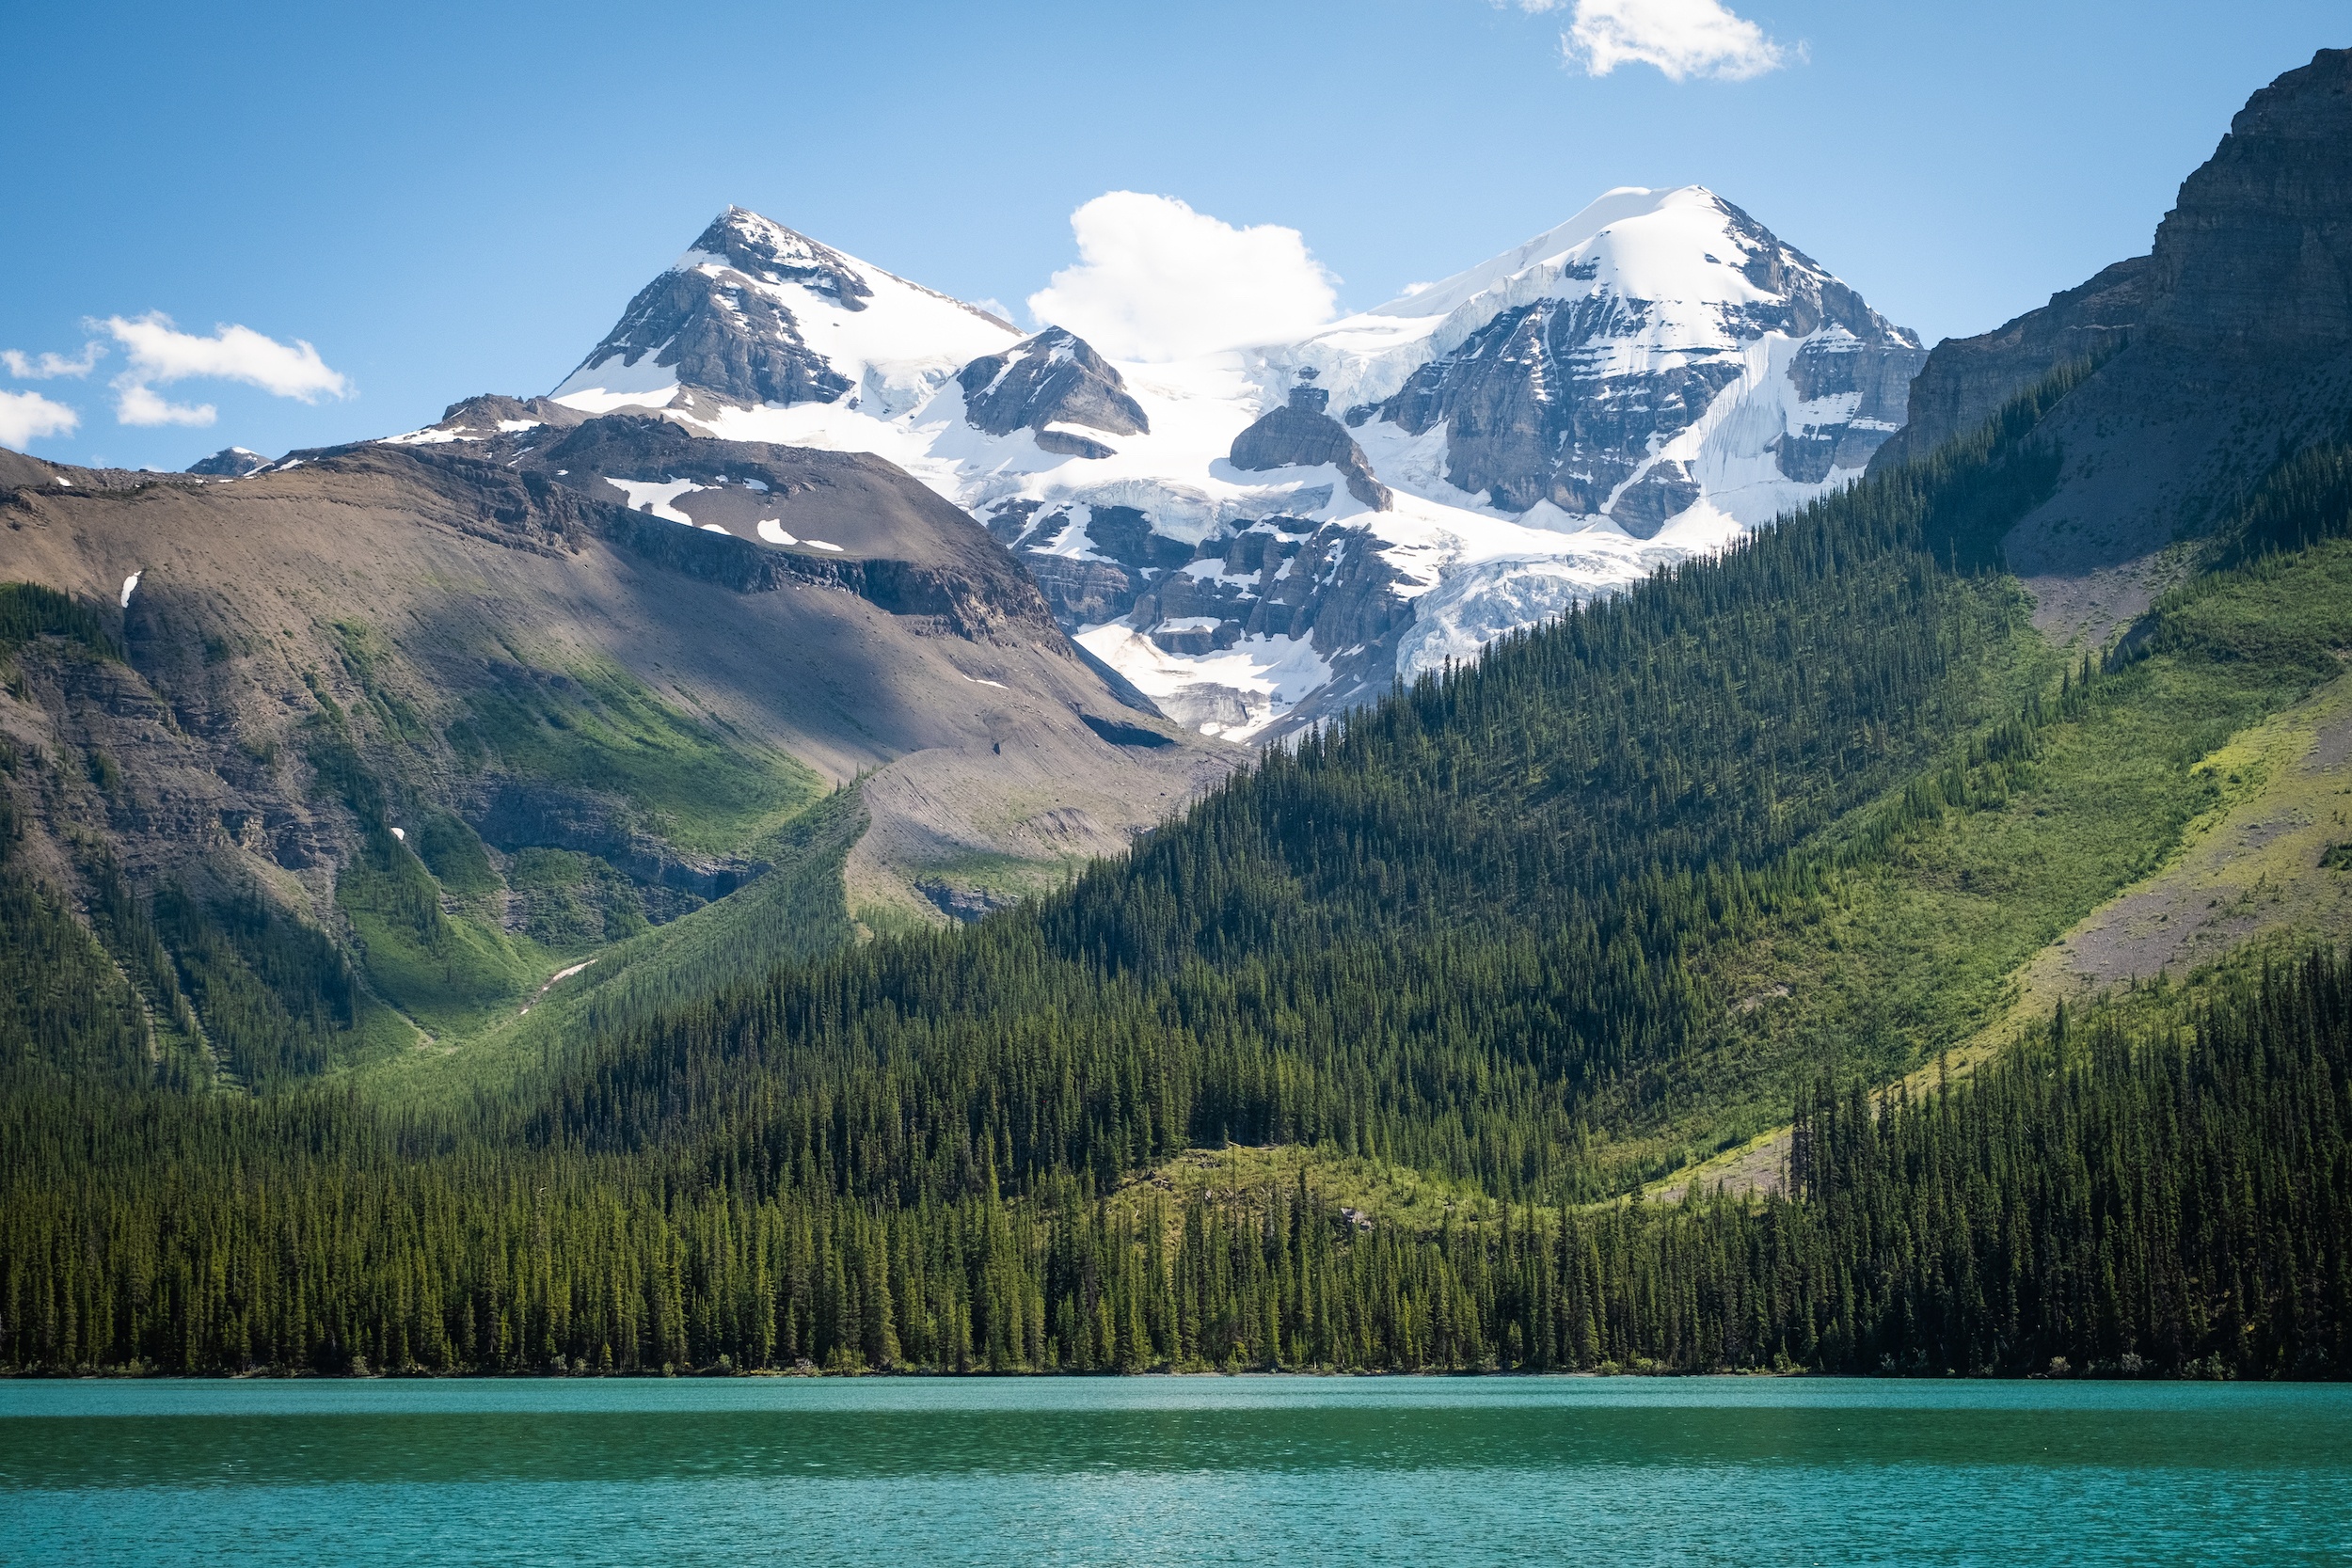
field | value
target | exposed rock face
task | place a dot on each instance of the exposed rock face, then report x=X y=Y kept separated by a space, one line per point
x=900 y=547
x=229 y=462
x=1052 y=379
x=2225 y=349
x=512 y=814
x=493 y=414
x=711 y=332
x=1300 y=435
x=2257 y=253
x=2254 y=260
x=963 y=905
x=1966 y=380
x=494 y=419
x=1568 y=397
x=1318 y=594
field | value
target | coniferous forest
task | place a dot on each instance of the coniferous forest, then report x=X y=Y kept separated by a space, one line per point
x=1474 y=932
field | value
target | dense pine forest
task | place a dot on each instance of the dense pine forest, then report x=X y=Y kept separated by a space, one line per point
x=1473 y=932
x=2165 y=1189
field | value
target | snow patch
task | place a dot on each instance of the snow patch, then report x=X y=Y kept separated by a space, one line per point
x=130 y=584
x=654 y=495
x=1236 y=693
x=771 y=530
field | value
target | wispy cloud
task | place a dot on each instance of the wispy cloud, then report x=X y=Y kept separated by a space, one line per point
x=1682 y=39
x=26 y=417
x=1157 y=280
x=161 y=354
x=45 y=367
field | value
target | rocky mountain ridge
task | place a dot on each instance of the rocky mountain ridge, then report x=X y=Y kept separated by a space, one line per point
x=1260 y=538
x=2226 y=348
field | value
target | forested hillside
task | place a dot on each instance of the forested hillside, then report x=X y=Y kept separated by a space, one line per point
x=1765 y=830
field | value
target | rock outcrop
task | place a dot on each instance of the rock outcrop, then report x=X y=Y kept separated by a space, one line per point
x=1042 y=383
x=1300 y=435
x=229 y=462
x=1966 y=380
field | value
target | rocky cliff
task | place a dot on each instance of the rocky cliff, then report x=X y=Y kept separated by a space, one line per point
x=2225 y=349
x=2255 y=258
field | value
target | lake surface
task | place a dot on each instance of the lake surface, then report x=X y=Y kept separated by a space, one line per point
x=1173 y=1471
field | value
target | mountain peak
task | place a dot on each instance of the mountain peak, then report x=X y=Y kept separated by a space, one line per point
x=1242 y=532
x=755 y=314
x=1613 y=206
x=764 y=250
x=1686 y=246
x=229 y=462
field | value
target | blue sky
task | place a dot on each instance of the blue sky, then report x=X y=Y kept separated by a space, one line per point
x=447 y=198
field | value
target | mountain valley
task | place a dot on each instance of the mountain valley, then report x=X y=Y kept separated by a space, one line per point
x=1613 y=813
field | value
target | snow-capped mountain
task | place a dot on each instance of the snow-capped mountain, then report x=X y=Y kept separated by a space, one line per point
x=1260 y=537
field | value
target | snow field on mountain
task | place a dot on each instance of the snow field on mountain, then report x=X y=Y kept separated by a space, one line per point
x=1271 y=676
x=1659 y=285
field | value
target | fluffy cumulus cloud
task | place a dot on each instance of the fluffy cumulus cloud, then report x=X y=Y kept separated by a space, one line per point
x=161 y=354
x=1157 y=280
x=26 y=417
x=1681 y=38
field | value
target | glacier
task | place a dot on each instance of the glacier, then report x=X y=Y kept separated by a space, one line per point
x=1644 y=383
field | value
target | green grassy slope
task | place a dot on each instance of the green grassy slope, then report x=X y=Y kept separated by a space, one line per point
x=793 y=912
x=614 y=812
x=2188 y=809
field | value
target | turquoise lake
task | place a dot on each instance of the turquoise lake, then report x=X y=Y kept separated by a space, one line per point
x=1173 y=1471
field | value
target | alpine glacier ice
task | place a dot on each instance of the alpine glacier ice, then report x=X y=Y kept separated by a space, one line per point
x=1263 y=536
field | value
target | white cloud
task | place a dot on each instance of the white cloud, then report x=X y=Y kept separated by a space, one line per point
x=25 y=368
x=1681 y=38
x=161 y=354
x=139 y=404
x=1157 y=280
x=26 y=417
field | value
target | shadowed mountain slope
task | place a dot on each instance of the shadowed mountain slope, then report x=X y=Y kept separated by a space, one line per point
x=473 y=719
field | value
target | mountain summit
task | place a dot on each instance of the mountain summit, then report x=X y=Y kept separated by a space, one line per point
x=1260 y=537
x=755 y=314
